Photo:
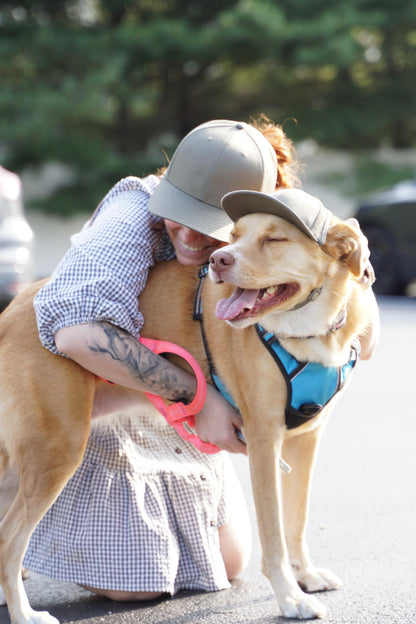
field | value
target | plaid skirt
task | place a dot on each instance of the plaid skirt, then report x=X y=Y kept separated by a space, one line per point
x=140 y=514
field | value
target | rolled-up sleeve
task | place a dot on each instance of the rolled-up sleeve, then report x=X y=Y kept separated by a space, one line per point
x=105 y=269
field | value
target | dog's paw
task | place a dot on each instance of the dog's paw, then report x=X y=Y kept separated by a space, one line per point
x=40 y=617
x=317 y=579
x=302 y=607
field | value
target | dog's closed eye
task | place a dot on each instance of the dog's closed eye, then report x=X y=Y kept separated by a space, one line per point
x=275 y=239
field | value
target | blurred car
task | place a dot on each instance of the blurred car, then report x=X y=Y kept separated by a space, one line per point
x=16 y=239
x=388 y=219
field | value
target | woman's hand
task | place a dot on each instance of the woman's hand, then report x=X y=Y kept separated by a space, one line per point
x=217 y=423
x=370 y=338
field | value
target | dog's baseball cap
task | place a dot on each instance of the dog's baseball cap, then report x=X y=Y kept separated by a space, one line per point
x=305 y=211
x=213 y=159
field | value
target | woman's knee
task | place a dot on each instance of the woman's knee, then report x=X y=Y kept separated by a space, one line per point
x=235 y=536
x=235 y=551
x=124 y=596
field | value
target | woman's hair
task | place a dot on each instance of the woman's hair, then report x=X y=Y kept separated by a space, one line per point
x=287 y=162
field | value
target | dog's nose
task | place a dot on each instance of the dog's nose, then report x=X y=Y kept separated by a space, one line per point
x=221 y=259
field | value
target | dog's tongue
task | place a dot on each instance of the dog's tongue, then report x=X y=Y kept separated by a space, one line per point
x=227 y=309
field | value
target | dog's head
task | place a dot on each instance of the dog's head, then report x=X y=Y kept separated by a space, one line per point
x=278 y=267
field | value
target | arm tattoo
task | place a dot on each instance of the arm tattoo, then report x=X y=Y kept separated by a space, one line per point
x=157 y=374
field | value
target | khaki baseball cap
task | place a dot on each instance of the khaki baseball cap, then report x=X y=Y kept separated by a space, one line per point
x=305 y=211
x=213 y=159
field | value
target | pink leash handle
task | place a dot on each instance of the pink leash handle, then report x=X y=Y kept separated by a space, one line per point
x=177 y=414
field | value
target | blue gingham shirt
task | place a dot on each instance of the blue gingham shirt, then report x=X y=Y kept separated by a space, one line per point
x=106 y=267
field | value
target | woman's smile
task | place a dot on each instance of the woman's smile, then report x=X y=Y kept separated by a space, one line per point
x=191 y=247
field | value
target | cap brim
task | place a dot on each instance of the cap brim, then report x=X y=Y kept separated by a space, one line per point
x=240 y=203
x=169 y=202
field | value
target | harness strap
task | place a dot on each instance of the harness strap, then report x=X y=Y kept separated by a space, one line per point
x=292 y=419
x=202 y=273
x=198 y=316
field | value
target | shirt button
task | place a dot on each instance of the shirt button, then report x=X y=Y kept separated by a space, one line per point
x=212 y=523
x=178 y=450
x=203 y=477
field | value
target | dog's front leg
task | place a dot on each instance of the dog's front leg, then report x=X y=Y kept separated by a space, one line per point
x=9 y=484
x=264 y=451
x=300 y=452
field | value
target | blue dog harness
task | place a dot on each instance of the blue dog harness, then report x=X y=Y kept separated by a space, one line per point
x=310 y=386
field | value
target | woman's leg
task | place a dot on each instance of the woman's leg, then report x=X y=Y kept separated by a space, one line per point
x=236 y=536
x=124 y=596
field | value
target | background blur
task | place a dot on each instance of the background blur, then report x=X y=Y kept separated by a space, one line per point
x=94 y=90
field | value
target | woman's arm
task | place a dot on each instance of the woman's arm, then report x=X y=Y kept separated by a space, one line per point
x=111 y=353
x=369 y=339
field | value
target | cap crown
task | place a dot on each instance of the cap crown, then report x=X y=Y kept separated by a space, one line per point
x=221 y=156
x=304 y=211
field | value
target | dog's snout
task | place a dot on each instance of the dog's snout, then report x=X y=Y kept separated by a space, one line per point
x=221 y=259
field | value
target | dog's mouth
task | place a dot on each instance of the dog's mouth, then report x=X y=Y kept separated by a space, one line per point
x=246 y=303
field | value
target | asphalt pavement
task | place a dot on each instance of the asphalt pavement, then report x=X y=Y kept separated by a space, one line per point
x=362 y=521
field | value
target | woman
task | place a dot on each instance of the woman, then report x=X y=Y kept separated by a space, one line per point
x=146 y=513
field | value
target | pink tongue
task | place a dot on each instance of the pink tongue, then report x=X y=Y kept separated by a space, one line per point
x=227 y=309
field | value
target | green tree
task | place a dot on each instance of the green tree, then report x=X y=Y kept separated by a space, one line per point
x=101 y=90
x=109 y=86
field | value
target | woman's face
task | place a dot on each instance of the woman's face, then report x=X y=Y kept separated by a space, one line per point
x=191 y=247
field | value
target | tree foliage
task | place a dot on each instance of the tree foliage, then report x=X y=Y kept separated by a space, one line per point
x=106 y=85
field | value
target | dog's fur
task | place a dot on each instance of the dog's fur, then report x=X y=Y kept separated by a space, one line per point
x=47 y=400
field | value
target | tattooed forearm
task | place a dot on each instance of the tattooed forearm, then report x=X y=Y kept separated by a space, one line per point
x=119 y=346
x=157 y=374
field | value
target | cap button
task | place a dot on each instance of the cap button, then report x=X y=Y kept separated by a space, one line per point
x=240 y=126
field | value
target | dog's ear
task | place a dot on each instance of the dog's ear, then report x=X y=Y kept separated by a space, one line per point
x=346 y=243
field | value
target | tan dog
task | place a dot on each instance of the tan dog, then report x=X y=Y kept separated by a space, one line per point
x=47 y=400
